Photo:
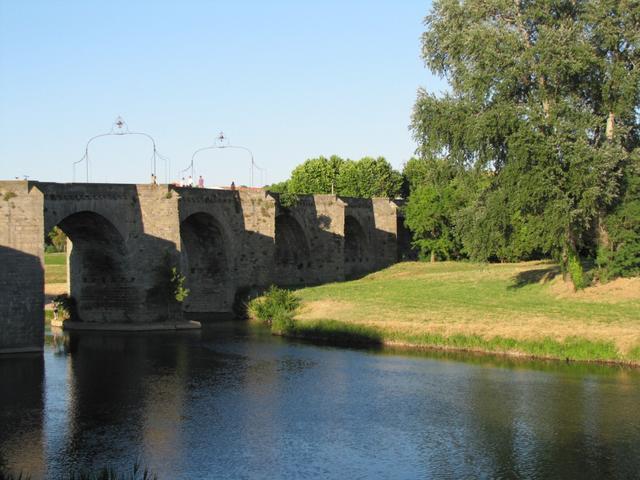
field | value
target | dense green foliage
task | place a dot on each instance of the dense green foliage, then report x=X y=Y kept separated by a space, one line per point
x=56 y=241
x=621 y=256
x=316 y=175
x=367 y=177
x=544 y=108
x=429 y=214
x=276 y=307
x=440 y=193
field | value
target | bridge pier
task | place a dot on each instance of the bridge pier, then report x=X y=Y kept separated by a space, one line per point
x=127 y=238
x=21 y=261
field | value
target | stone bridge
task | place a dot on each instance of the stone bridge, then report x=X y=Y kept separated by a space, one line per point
x=124 y=240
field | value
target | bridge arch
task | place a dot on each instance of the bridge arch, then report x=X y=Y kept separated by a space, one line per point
x=356 y=248
x=206 y=264
x=292 y=253
x=97 y=270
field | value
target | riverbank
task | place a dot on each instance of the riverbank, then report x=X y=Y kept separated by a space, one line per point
x=521 y=309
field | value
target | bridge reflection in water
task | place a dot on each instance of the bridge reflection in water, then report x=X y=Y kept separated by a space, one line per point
x=232 y=401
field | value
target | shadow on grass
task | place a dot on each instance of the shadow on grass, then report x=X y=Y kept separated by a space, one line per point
x=528 y=277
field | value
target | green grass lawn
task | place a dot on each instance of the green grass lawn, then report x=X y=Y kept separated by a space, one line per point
x=522 y=308
x=55 y=268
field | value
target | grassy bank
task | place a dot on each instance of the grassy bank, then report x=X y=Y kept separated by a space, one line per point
x=55 y=268
x=55 y=280
x=519 y=309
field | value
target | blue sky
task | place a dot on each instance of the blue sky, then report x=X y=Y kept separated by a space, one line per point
x=288 y=79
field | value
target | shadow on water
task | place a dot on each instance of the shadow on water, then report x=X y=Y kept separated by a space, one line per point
x=338 y=335
x=528 y=277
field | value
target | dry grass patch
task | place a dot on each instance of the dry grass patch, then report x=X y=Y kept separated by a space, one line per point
x=484 y=301
x=616 y=291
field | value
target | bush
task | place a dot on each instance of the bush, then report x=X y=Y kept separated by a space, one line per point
x=276 y=307
x=66 y=307
x=576 y=272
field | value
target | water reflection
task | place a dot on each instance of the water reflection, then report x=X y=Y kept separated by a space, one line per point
x=233 y=401
x=21 y=413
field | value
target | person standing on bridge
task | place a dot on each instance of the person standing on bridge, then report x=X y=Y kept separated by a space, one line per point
x=200 y=182
x=190 y=181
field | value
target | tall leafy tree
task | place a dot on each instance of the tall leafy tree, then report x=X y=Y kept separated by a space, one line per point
x=440 y=193
x=369 y=177
x=366 y=178
x=316 y=175
x=544 y=98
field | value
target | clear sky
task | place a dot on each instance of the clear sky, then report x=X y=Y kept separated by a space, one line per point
x=288 y=79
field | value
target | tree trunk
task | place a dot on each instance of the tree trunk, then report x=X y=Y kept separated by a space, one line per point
x=611 y=122
x=565 y=263
x=433 y=256
x=602 y=234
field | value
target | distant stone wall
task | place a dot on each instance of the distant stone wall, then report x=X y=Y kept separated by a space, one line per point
x=309 y=241
x=126 y=238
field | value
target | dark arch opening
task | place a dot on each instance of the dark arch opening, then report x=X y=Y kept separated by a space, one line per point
x=205 y=265
x=97 y=268
x=292 y=255
x=356 y=256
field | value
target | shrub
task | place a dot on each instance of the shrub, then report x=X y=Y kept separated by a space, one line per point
x=276 y=307
x=180 y=293
x=66 y=306
x=576 y=272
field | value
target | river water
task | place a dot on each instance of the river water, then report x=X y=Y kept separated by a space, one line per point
x=234 y=402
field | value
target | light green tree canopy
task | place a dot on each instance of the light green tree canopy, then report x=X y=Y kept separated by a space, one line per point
x=368 y=177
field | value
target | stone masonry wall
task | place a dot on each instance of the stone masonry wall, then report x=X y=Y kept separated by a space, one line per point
x=126 y=238
x=242 y=224
x=21 y=267
x=385 y=216
x=322 y=220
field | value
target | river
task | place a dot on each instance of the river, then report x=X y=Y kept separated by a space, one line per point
x=232 y=401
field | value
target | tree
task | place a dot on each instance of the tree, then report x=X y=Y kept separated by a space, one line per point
x=316 y=175
x=57 y=239
x=439 y=192
x=544 y=98
x=620 y=255
x=367 y=178
x=429 y=215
